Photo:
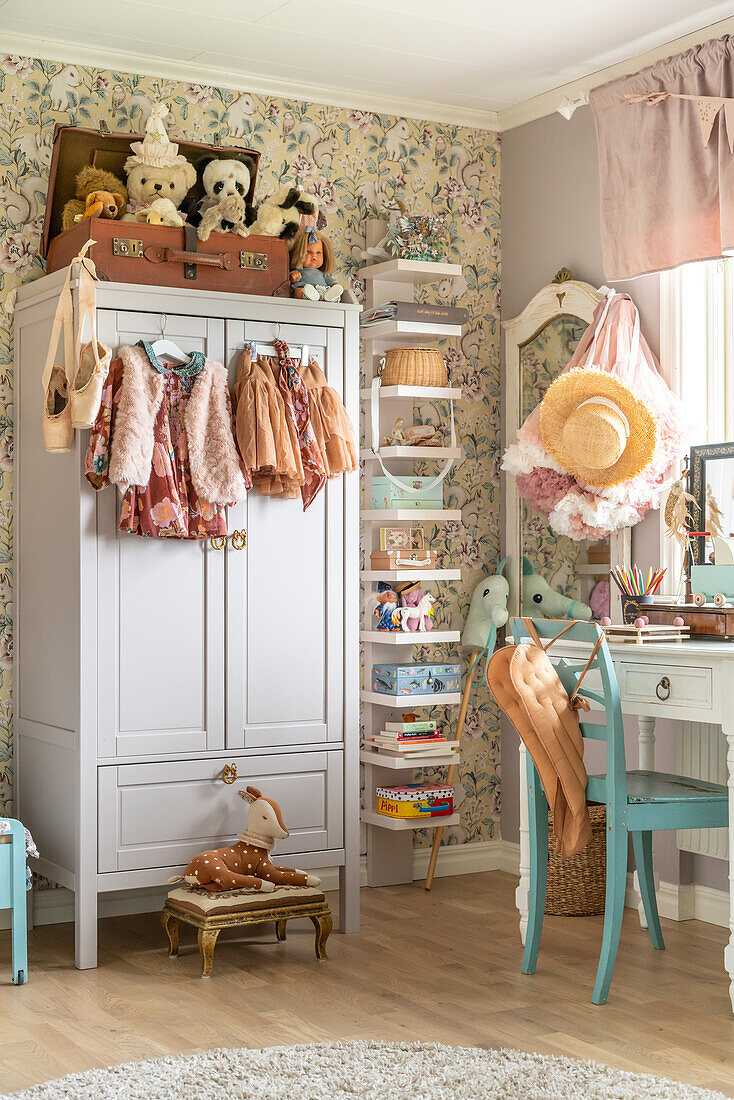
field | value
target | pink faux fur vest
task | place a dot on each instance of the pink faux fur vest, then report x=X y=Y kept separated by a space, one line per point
x=215 y=466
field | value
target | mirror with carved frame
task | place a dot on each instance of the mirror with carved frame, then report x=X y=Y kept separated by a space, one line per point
x=538 y=344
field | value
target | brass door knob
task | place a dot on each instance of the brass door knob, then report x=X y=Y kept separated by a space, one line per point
x=239 y=540
x=229 y=773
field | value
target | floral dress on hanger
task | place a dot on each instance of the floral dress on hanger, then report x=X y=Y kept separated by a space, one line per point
x=167 y=507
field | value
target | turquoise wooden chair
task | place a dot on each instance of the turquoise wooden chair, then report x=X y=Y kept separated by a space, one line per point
x=13 y=895
x=637 y=802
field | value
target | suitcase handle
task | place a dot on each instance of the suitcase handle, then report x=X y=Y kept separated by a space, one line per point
x=174 y=255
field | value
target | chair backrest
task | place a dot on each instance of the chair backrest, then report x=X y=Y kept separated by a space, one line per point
x=585 y=636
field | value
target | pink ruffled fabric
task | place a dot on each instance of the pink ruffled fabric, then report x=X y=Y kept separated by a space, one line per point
x=581 y=511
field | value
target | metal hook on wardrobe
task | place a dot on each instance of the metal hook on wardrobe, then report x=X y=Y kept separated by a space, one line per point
x=277 y=330
x=164 y=324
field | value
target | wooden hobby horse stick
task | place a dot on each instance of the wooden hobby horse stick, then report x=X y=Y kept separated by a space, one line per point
x=438 y=832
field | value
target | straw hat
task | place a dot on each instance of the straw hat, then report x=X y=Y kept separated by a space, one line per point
x=596 y=428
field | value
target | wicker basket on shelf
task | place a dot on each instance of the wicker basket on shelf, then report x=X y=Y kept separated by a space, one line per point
x=413 y=367
x=576 y=886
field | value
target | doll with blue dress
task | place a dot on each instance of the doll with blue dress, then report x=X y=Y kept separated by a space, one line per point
x=312 y=267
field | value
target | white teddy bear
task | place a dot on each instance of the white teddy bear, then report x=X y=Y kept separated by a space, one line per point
x=156 y=169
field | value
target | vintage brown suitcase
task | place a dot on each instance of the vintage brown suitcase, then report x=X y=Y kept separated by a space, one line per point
x=160 y=255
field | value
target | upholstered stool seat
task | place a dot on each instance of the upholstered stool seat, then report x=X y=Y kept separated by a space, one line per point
x=210 y=913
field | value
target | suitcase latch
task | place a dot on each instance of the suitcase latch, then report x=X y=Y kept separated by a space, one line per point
x=257 y=261
x=127 y=246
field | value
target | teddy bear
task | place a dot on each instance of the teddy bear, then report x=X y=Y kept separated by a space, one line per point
x=146 y=183
x=160 y=212
x=155 y=169
x=279 y=215
x=216 y=179
x=102 y=204
x=89 y=180
x=228 y=216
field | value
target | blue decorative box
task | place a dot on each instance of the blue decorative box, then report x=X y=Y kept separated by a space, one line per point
x=387 y=495
x=416 y=679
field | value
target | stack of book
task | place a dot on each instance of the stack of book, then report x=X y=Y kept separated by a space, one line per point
x=414 y=311
x=411 y=738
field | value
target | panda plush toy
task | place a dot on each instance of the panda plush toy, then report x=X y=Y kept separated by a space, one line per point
x=218 y=179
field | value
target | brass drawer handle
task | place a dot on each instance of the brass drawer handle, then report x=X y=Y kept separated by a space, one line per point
x=229 y=773
x=239 y=540
x=663 y=686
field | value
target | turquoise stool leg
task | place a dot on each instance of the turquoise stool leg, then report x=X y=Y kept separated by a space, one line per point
x=613 y=907
x=19 y=924
x=538 y=822
x=642 y=844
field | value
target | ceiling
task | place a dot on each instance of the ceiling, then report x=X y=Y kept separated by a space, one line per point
x=467 y=57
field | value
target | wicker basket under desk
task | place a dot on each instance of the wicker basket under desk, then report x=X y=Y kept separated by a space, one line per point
x=576 y=886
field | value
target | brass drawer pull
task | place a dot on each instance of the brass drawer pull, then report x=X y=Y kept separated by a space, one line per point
x=218 y=542
x=229 y=773
x=663 y=686
x=239 y=540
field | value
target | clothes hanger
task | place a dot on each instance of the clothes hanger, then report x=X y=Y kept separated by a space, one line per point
x=167 y=347
x=270 y=349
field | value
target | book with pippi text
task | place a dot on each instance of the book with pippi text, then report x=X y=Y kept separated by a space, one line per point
x=414 y=800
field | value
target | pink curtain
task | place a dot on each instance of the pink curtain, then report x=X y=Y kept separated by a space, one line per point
x=666 y=197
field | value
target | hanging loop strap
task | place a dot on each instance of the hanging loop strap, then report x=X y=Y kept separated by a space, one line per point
x=64 y=317
x=575 y=699
x=375 y=410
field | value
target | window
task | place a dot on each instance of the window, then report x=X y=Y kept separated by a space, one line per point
x=697 y=357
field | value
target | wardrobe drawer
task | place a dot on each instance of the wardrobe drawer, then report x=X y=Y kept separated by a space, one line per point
x=161 y=815
x=666 y=685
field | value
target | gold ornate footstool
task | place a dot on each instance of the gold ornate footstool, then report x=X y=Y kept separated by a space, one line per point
x=210 y=913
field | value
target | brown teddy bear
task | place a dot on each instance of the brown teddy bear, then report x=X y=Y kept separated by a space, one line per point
x=103 y=204
x=88 y=180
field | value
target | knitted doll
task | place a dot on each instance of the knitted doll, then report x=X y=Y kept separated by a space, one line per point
x=312 y=265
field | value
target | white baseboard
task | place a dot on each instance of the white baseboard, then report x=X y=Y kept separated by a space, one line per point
x=57 y=906
x=676 y=901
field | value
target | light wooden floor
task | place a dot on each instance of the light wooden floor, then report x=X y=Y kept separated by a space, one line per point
x=441 y=966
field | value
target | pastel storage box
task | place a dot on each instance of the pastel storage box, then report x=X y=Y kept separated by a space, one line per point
x=387 y=495
x=416 y=679
x=403 y=559
x=415 y=800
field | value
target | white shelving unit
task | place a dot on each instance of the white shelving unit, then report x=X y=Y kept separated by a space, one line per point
x=390 y=840
x=398 y=637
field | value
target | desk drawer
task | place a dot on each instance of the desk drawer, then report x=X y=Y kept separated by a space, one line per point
x=666 y=685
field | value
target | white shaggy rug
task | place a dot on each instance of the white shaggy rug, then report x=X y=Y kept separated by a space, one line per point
x=370 y=1070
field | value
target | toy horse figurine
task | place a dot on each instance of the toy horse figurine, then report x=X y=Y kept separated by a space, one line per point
x=540 y=601
x=403 y=616
x=246 y=865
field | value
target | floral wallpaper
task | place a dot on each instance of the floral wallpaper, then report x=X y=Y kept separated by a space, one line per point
x=554 y=556
x=356 y=162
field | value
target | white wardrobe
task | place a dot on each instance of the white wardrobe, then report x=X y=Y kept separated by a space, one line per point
x=148 y=669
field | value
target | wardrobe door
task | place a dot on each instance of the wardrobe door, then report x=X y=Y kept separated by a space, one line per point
x=285 y=679
x=160 y=605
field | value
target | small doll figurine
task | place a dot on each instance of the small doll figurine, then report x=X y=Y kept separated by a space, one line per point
x=312 y=266
x=387 y=601
x=397 y=439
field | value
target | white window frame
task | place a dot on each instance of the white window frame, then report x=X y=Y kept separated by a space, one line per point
x=697 y=359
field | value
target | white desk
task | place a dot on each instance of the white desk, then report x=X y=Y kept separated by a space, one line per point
x=699 y=688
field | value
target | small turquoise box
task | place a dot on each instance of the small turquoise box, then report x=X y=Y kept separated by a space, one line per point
x=387 y=495
x=416 y=679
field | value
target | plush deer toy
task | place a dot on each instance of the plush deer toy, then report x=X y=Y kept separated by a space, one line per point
x=246 y=865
